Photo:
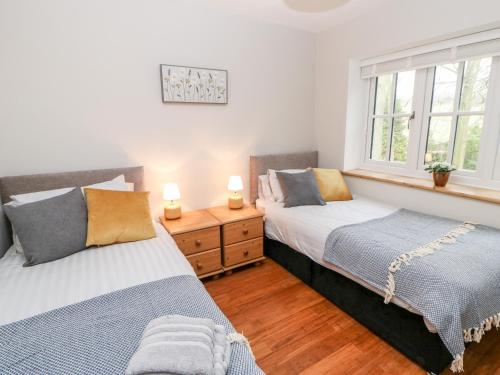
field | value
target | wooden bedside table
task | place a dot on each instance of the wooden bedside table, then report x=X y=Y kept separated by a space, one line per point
x=197 y=234
x=242 y=236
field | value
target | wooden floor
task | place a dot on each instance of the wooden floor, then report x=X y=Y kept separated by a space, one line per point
x=294 y=330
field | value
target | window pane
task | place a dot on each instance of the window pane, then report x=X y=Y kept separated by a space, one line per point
x=467 y=142
x=445 y=83
x=379 y=138
x=383 y=95
x=475 y=85
x=400 y=133
x=438 y=139
x=404 y=91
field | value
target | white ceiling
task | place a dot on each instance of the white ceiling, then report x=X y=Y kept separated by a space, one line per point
x=302 y=14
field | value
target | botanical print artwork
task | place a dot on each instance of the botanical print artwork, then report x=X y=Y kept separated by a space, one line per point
x=182 y=84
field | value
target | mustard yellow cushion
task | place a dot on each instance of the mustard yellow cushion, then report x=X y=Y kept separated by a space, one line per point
x=331 y=185
x=118 y=216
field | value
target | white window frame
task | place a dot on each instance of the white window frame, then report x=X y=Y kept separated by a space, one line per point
x=455 y=114
x=492 y=133
x=391 y=116
x=487 y=173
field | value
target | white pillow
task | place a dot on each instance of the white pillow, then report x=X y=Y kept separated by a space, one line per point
x=16 y=243
x=275 y=184
x=264 y=189
x=117 y=183
x=20 y=199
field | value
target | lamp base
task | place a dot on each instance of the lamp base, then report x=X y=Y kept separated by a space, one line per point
x=172 y=212
x=235 y=203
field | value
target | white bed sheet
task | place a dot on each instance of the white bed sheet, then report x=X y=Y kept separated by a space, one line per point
x=28 y=291
x=306 y=228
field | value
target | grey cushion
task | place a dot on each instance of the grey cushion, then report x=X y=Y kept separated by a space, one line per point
x=5 y=236
x=300 y=189
x=50 y=229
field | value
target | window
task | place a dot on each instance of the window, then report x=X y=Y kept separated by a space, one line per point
x=446 y=112
x=392 y=111
x=456 y=114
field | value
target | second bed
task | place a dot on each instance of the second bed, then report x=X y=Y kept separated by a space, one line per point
x=295 y=238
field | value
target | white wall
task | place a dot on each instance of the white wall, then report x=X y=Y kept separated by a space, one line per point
x=338 y=120
x=80 y=89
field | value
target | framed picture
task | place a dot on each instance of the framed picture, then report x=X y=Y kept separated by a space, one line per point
x=184 y=84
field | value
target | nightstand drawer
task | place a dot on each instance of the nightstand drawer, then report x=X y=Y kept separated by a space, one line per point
x=243 y=252
x=198 y=240
x=242 y=230
x=208 y=261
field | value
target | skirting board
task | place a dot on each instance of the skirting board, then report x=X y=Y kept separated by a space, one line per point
x=402 y=329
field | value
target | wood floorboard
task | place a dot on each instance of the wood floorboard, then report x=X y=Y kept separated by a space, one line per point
x=294 y=330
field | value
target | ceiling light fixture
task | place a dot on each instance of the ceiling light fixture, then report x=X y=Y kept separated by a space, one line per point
x=314 y=6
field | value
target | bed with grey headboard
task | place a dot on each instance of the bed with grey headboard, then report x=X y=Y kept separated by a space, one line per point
x=259 y=165
x=14 y=185
x=404 y=330
x=151 y=284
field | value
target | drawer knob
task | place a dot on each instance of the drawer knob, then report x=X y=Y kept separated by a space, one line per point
x=245 y=231
x=199 y=265
x=197 y=242
x=245 y=253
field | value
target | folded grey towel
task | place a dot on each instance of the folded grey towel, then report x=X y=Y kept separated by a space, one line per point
x=175 y=344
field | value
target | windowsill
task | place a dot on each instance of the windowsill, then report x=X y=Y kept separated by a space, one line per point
x=464 y=191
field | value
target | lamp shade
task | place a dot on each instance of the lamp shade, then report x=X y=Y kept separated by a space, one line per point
x=235 y=183
x=171 y=192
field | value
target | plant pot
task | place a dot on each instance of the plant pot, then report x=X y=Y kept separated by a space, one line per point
x=440 y=178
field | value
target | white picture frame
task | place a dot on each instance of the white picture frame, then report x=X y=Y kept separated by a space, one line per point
x=184 y=84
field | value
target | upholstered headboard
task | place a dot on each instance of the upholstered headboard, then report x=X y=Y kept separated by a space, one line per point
x=261 y=163
x=39 y=182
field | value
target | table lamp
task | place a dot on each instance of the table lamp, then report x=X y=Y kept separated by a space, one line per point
x=173 y=208
x=235 y=185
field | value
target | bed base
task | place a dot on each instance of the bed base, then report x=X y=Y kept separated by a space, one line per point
x=402 y=329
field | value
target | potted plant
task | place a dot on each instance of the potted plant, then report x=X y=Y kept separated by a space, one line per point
x=440 y=172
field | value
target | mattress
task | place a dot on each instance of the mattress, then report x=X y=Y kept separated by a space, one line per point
x=29 y=291
x=306 y=228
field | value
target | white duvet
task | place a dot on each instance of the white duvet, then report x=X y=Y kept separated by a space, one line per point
x=306 y=228
x=28 y=291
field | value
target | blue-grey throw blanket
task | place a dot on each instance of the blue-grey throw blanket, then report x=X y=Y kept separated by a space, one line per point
x=447 y=270
x=100 y=335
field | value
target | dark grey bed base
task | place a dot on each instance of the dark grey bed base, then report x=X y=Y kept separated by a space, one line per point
x=402 y=329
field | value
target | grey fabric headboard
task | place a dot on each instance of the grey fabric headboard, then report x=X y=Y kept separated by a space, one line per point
x=261 y=163
x=39 y=182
